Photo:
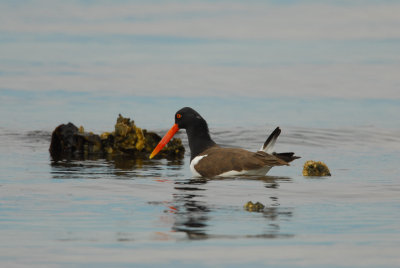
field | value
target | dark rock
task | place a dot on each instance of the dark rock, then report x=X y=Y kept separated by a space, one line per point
x=69 y=141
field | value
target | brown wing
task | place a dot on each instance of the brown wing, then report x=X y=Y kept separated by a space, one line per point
x=220 y=160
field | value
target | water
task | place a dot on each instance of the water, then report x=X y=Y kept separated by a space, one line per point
x=117 y=213
x=327 y=75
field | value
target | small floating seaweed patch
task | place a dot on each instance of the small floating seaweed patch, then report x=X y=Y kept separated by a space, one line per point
x=254 y=207
x=67 y=140
x=315 y=168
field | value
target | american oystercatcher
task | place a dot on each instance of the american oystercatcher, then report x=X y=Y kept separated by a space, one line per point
x=210 y=160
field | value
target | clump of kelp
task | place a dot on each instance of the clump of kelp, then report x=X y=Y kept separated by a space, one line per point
x=254 y=207
x=69 y=141
x=315 y=168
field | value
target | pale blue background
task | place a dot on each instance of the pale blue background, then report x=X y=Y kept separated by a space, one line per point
x=326 y=72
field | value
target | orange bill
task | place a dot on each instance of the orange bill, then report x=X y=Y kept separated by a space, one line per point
x=165 y=140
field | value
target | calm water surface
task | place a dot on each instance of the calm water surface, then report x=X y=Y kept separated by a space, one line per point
x=121 y=212
x=326 y=72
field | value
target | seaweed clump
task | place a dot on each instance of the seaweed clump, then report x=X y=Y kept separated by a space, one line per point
x=315 y=168
x=254 y=207
x=127 y=139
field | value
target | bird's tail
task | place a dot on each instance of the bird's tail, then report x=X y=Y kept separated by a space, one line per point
x=287 y=157
x=269 y=144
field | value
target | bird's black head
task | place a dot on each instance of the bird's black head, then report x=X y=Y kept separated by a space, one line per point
x=196 y=129
x=188 y=118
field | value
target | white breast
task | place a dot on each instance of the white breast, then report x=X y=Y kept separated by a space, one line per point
x=193 y=163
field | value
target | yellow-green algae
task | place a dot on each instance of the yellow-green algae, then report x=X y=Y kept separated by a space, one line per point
x=315 y=168
x=126 y=139
x=254 y=207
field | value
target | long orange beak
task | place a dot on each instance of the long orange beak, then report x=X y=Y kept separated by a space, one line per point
x=165 y=140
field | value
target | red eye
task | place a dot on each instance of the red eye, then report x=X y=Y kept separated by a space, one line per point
x=178 y=116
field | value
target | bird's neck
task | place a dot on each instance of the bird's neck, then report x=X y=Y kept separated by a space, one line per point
x=199 y=140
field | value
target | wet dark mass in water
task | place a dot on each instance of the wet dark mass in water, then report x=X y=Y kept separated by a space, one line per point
x=69 y=141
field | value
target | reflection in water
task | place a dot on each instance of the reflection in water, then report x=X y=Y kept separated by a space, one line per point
x=193 y=216
x=116 y=167
x=191 y=212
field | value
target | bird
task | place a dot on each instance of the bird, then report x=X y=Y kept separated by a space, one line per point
x=207 y=159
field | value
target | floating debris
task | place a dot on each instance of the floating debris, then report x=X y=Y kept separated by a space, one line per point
x=68 y=141
x=257 y=207
x=313 y=168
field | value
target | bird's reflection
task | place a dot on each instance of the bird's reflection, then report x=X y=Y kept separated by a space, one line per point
x=193 y=214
